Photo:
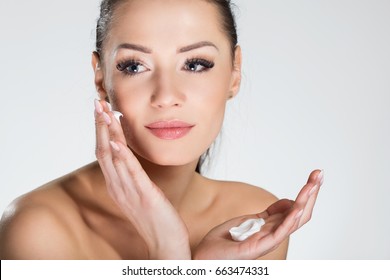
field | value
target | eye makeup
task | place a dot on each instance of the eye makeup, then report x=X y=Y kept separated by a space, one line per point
x=131 y=67
x=198 y=65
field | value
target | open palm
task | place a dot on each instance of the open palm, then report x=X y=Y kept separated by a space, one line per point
x=281 y=219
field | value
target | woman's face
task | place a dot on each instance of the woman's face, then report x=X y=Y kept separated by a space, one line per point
x=168 y=68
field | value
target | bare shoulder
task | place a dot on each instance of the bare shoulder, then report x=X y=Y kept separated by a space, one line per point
x=39 y=225
x=244 y=198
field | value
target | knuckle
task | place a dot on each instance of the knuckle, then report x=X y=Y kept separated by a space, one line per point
x=134 y=172
x=101 y=152
x=116 y=161
x=99 y=122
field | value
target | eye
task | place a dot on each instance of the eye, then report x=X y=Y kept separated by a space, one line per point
x=131 y=67
x=198 y=65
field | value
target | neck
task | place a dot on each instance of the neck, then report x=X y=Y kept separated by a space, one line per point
x=174 y=181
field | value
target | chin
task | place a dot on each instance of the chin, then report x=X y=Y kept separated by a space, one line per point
x=167 y=157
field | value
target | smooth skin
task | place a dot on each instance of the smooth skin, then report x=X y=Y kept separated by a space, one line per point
x=143 y=199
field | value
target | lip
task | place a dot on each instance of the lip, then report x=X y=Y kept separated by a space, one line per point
x=169 y=130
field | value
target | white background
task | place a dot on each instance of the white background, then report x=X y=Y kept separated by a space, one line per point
x=315 y=94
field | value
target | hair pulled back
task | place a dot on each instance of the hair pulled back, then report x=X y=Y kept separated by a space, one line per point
x=106 y=17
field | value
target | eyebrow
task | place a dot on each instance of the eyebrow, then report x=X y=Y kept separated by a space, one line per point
x=197 y=46
x=181 y=50
x=134 y=47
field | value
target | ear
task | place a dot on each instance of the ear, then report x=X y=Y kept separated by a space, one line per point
x=99 y=76
x=236 y=74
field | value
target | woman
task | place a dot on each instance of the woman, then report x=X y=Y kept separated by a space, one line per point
x=169 y=67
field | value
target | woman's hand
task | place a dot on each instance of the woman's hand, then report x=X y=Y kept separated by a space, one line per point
x=281 y=219
x=137 y=196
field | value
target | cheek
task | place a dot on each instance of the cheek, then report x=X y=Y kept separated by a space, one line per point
x=210 y=94
x=121 y=88
x=125 y=96
x=211 y=107
x=209 y=103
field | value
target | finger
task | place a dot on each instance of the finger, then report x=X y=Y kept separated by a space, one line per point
x=113 y=123
x=280 y=233
x=310 y=205
x=314 y=176
x=311 y=181
x=126 y=191
x=313 y=193
x=115 y=129
x=102 y=134
x=296 y=225
x=103 y=150
x=320 y=178
x=301 y=201
x=279 y=206
x=106 y=106
x=142 y=183
x=304 y=194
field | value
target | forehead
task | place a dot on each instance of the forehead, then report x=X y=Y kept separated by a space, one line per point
x=166 y=22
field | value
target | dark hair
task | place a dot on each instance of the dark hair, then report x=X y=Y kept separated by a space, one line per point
x=225 y=8
x=107 y=8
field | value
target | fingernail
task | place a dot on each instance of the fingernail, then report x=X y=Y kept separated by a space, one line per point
x=299 y=214
x=107 y=118
x=313 y=189
x=98 y=107
x=117 y=115
x=320 y=177
x=114 y=146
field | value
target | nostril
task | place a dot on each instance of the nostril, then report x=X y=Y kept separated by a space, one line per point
x=168 y=105
x=167 y=99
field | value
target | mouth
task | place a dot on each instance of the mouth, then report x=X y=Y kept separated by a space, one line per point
x=169 y=130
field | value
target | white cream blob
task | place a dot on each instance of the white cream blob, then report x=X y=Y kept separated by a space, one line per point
x=246 y=229
x=117 y=115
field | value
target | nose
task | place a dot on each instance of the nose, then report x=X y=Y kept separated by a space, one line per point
x=166 y=93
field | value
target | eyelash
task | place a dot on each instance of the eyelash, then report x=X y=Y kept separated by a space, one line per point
x=206 y=64
x=122 y=66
